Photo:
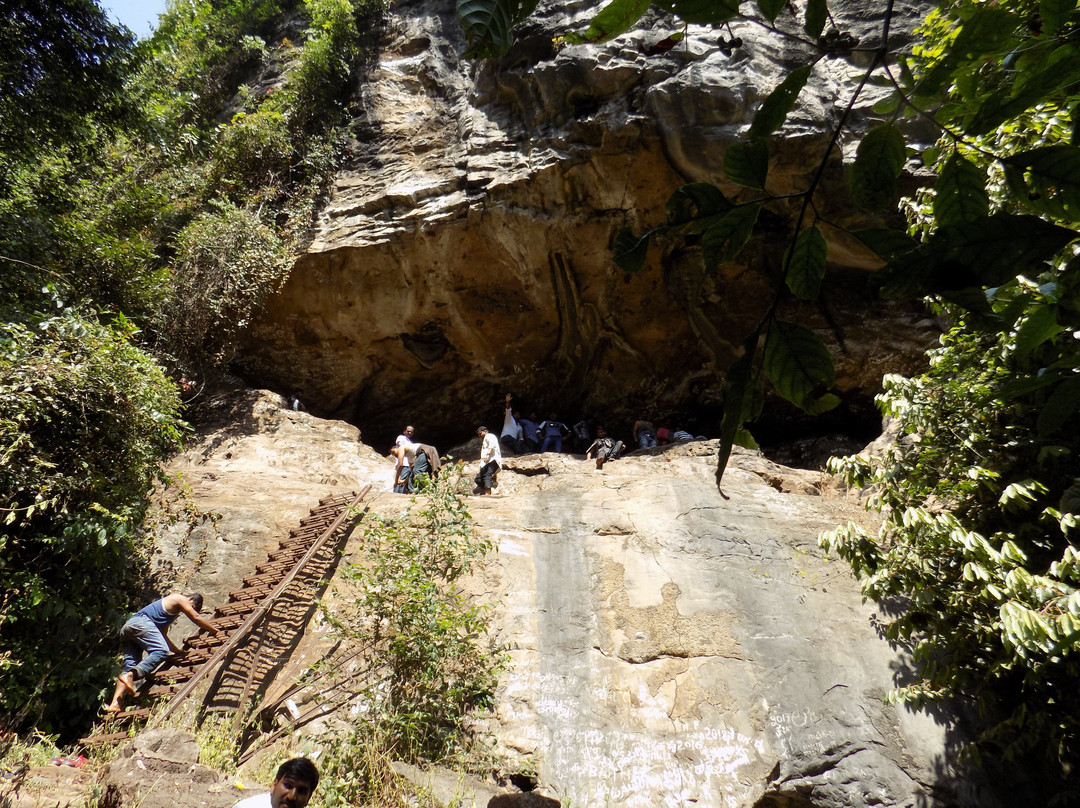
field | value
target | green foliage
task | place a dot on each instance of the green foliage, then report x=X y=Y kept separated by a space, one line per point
x=227 y=262
x=798 y=364
x=878 y=163
x=979 y=540
x=779 y=103
x=487 y=24
x=805 y=263
x=615 y=18
x=84 y=417
x=960 y=194
x=198 y=56
x=62 y=63
x=748 y=163
x=157 y=193
x=427 y=657
x=35 y=749
x=333 y=54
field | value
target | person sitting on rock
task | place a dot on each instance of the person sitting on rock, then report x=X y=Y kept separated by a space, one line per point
x=603 y=448
x=294 y=783
x=148 y=630
x=530 y=433
x=511 y=431
x=644 y=434
x=490 y=461
x=553 y=431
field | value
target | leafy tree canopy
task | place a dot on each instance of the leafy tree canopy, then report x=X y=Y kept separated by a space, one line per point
x=60 y=62
x=148 y=206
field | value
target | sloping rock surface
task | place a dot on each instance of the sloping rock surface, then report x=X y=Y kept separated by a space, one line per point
x=668 y=644
x=466 y=246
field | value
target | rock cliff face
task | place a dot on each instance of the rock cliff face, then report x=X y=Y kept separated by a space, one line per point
x=466 y=247
x=668 y=645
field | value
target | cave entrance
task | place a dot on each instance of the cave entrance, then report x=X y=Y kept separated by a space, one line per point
x=792 y=438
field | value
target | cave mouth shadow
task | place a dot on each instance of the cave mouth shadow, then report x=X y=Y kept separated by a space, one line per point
x=792 y=438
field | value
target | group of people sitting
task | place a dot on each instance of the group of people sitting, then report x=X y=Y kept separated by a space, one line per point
x=526 y=435
x=522 y=436
x=552 y=431
x=647 y=437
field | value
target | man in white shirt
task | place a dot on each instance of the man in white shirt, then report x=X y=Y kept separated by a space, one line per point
x=401 y=453
x=490 y=461
x=294 y=784
x=511 y=431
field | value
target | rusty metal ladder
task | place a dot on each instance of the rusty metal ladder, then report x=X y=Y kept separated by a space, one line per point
x=236 y=619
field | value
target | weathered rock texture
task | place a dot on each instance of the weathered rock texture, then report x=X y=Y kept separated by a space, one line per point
x=466 y=248
x=668 y=645
x=160 y=769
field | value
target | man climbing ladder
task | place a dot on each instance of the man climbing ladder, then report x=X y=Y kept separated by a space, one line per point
x=148 y=630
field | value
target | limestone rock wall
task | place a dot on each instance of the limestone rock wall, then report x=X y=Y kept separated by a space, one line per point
x=466 y=246
x=668 y=645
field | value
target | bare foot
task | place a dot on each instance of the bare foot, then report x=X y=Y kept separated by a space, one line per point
x=127 y=679
x=112 y=708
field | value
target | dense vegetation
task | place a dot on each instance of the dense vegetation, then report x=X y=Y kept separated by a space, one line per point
x=981 y=494
x=428 y=660
x=151 y=195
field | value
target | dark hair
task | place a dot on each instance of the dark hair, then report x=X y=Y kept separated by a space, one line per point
x=299 y=769
x=481 y=429
x=196 y=599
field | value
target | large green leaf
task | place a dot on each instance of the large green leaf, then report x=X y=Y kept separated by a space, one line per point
x=1070 y=499
x=739 y=383
x=989 y=30
x=617 y=17
x=1051 y=177
x=987 y=252
x=816 y=15
x=799 y=366
x=696 y=200
x=1054 y=13
x=960 y=194
x=704 y=12
x=775 y=109
x=770 y=9
x=747 y=163
x=1059 y=408
x=878 y=162
x=805 y=262
x=487 y=24
x=726 y=234
x=630 y=250
x=1041 y=325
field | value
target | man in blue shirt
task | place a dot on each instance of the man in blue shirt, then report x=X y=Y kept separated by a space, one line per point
x=148 y=630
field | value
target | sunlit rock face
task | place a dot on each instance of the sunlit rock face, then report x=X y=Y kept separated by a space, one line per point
x=666 y=644
x=466 y=246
